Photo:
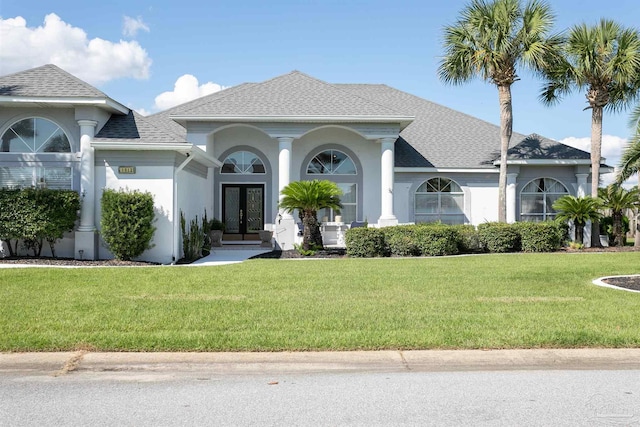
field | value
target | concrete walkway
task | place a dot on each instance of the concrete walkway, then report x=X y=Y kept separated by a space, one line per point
x=62 y=363
x=226 y=255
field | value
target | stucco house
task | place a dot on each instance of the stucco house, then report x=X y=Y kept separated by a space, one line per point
x=398 y=158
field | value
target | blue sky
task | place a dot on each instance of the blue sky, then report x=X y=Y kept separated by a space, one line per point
x=224 y=43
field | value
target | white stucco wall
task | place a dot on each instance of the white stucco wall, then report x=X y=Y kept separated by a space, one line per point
x=154 y=173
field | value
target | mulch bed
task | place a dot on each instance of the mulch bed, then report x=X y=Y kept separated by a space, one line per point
x=627 y=282
x=70 y=262
x=293 y=254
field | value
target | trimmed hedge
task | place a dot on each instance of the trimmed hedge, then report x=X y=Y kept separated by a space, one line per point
x=499 y=237
x=437 y=239
x=36 y=215
x=547 y=236
x=469 y=239
x=401 y=240
x=441 y=239
x=127 y=222
x=365 y=242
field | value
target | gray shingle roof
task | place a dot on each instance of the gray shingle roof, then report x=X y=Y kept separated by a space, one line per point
x=292 y=94
x=47 y=81
x=134 y=127
x=444 y=138
x=538 y=147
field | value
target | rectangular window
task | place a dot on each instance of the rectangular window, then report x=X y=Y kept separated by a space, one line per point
x=349 y=200
x=24 y=177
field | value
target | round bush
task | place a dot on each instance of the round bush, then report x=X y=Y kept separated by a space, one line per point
x=364 y=242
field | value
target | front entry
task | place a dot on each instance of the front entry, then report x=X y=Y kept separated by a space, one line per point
x=243 y=208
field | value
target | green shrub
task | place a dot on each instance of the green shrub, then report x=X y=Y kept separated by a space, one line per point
x=468 y=238
x=35 y=215
x=127 y=222
x=401 y=241
x=193 y=238
x=364 y=242
x=437 y=239
x=499 y=237
x=606 y=226
x=547 y=236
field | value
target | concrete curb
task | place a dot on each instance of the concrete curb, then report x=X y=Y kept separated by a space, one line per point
x=185 y=364
x=601 y=282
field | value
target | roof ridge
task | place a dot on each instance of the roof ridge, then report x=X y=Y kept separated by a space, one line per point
x=335 y=86
x=237 y=88
x=71 y=76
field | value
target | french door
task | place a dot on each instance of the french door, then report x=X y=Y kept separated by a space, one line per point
x=243 y=211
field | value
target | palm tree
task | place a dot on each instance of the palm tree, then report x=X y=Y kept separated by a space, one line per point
x=491 y=40
x=308 y=197
x=630 y=162
x=578 y=210
x=617 y=199
x=603 y=60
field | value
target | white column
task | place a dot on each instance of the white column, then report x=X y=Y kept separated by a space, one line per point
x=581 y=178
x=286 y=229
x=284 y=167
x=386 y=182
x=86 y=242
x=511 y=197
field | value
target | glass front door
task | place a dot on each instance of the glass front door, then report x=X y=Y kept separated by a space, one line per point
x=243 y=211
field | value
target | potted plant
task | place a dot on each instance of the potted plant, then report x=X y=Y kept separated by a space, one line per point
x=217 y=229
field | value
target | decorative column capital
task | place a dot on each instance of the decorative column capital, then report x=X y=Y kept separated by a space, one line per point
x=90 y=123
x=285 y=140
x=388 y=140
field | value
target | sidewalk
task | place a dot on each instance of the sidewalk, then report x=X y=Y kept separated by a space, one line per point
x=65 y=363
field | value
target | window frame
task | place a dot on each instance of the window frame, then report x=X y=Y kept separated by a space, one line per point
x=544 y=215
x=459 y=218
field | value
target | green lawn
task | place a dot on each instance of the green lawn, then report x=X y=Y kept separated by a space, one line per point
x=488 y=301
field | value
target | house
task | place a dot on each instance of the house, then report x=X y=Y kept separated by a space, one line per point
x=397 y=157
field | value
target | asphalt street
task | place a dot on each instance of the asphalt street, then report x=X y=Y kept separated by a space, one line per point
x=497 y=388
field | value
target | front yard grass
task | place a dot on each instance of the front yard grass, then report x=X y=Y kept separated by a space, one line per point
x=488 y=301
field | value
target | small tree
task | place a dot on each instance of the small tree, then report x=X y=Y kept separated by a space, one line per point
x=308 y=197
x=127 y=222
x=617 y=200
x=578 y=210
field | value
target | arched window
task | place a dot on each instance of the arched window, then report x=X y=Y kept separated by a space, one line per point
x=331 y=162
x=537 y=197
x=439 y=199
x=335 y=162
x=38 y=136
x=242 y=163
x=35 y=135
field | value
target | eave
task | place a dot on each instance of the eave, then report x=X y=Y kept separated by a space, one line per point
x=104 y=103
x=404 y=121
x=183 y=148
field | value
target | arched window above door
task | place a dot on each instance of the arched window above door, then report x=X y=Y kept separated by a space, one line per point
x=242 y=163
x=331 y=162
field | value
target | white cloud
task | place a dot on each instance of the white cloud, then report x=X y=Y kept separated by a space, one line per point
x=93 y=60
x=131 y=26
x=612 y=148
x=185 y=89
x=142 y=111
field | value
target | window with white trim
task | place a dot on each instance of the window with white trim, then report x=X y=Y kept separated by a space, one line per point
x=58 y=178
x=335 y=163
x=537 y=198
x=439 y=199
x=44 y=139
x=35 y=135
x=331 y=162
x=242 y=163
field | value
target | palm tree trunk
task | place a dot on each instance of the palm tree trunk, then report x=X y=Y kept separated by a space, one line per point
x=596 y=149
x=636 y=241
x=506 y=129
x=618 y=231
x=579 y=232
